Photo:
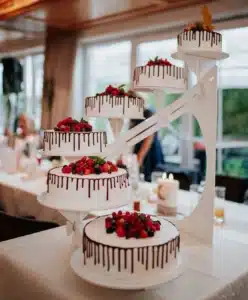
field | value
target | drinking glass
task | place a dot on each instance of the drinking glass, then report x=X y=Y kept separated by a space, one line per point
x=156 y=176
x=219 y=207
x=194 y=188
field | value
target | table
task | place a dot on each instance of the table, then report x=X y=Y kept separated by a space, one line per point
x=37 y=266
x=19 y=197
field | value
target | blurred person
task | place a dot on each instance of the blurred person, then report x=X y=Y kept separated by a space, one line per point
x=149 y=151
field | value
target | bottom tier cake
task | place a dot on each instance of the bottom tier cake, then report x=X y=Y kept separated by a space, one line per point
x=129 y=243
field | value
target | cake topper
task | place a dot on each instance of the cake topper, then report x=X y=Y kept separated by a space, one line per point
x=207 y=18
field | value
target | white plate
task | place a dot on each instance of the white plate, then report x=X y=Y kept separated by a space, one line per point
x=121 y=281
x=206 y=55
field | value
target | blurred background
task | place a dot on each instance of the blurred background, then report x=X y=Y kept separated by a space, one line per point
x=112 y=38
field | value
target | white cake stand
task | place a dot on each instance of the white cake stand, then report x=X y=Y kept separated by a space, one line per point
x=200 y=61
x=122 y=281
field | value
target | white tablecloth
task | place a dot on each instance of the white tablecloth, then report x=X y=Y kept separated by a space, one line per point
x=37 y=267
x=19 y=197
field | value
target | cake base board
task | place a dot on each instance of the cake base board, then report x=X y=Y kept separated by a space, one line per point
x=120 y=280
x=72 y=207
x=207 y=55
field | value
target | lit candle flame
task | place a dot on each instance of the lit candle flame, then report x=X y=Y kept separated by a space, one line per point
x=164 y=176
x=171 y=177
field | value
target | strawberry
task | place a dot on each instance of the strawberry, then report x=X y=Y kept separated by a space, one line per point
x=120 y=231
x=66 y=170
x=143 y=234
x=120 y=222
x=66 y=121
x=105 y=168
x=77 y=128
x=90 y=162
x=87 y=171
x=109 y=89
x=115 y=92
x=113 y=168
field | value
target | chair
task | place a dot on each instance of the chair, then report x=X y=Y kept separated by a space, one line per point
x=235 y=187
x=13 y=227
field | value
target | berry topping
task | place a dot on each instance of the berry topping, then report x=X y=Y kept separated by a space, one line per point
x=116 y=91
x=158 y=62
x=131 y=225
x=90 y=165
x=72 y=125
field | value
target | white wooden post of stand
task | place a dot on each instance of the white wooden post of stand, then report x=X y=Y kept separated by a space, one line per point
x=201 y=101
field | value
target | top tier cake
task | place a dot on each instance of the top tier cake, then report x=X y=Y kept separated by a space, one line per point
x=114 y=102
x=159 y=73
x=200 y=36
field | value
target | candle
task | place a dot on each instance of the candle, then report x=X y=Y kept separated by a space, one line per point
x=167 y=190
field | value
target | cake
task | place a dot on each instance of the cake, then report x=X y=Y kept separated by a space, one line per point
x=200 y=36
x=74 y=138
x=159 y=73
x=114 y=102
x=130 y=243
x=90 y=183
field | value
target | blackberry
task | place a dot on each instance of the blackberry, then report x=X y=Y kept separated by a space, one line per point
x=110 y=230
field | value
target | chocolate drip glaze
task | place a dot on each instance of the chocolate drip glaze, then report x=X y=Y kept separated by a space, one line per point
x=158 y=71
x=123 y=101
x=214 y=38
x=122 y=253
x=79 y=139
x=93 y=184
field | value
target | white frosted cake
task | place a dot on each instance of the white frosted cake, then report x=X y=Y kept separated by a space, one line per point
x=148 y=252
x=74 y=143
x=88 y=184
x=191 y=41
x=73 y=138
x=159 y=74
x=200 y=36
x=114 y=103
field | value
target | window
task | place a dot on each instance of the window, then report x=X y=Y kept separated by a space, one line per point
x=111 y=64
x=107 y=64
x=233 y=85
x=38 y=62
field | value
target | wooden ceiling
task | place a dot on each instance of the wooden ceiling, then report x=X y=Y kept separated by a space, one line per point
x=31 y=17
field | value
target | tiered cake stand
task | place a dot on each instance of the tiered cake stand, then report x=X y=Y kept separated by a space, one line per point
x=201 y=101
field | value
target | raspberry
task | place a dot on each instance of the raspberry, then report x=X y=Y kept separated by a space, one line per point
x=157 y=226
